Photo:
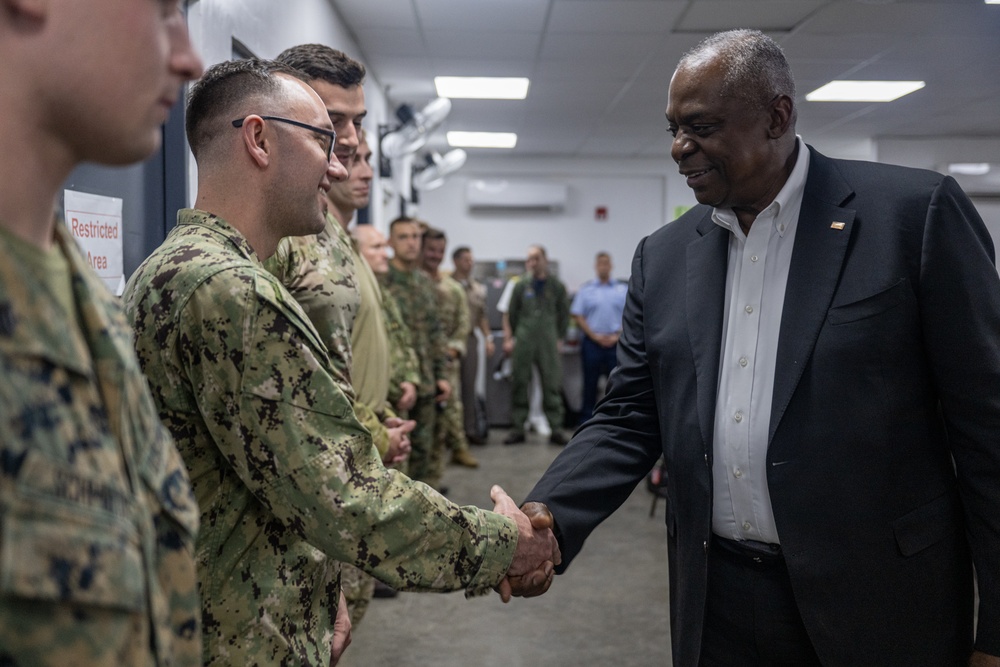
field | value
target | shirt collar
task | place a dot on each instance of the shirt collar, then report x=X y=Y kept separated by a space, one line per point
x=788 y=198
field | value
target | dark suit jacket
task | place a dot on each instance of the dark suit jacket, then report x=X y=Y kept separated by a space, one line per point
x=887 y=383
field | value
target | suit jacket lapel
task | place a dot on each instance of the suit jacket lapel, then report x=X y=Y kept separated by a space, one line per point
x=817 y=258
x=707 y=258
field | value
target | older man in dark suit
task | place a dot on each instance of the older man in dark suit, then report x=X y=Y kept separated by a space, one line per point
x=815 y=351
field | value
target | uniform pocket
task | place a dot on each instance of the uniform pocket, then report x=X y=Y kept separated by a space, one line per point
x=53 y=551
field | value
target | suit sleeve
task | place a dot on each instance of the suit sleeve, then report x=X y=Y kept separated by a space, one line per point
x=612 y=452
x=960 y=313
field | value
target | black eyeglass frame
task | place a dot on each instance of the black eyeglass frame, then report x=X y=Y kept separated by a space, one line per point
x=297 y=123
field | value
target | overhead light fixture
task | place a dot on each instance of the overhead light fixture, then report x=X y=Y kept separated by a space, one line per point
x=970 y=168
x=993 y=2
x=482 y=139
x=863 y=91
x=482 y=87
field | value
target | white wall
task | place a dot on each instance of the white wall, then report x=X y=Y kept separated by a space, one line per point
x=267 y=28
x=638 y=195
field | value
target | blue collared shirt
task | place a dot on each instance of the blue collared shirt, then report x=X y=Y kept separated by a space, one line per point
x=601 y=305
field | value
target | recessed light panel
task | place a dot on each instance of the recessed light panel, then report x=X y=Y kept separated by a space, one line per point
x=863 y=91
x=482 y=87
x=482 y=139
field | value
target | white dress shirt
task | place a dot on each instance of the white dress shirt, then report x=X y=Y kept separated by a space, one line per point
x=755 y=295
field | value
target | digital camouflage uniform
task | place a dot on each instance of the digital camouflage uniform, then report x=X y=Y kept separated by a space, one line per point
x=454 y=315
x=404 y=364
x=324 y=273
x=97 y=517
x=538 y=320
x=417 y=298
x=282 y=470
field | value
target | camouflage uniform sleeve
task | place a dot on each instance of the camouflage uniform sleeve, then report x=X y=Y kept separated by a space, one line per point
x=290 y=433
x=405 y=365
x=436 y=334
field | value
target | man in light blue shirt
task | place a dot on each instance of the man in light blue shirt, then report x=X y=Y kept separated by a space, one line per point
x=597 y=309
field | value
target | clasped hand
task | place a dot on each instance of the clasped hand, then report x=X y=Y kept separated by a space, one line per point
x=537 y=553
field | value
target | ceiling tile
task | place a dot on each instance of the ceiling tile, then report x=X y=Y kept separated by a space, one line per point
x=590 y=16
x=483 y=15
x=710 y=16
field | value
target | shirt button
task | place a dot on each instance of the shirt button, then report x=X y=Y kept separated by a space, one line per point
x=781 y=228
x=738 y=417
x=749 y=309
x=743 y=362
x=737 y=473
x=746 y=525
x=753 y=258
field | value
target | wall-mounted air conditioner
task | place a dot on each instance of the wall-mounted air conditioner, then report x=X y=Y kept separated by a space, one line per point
x=506 y=194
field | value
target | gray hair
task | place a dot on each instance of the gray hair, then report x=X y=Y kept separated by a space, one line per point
x=756 y=68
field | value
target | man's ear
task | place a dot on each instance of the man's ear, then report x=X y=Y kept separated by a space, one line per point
x=32 y=10
x=780 y=115
x=256 y=141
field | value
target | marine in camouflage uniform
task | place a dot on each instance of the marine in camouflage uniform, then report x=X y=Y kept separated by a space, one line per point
x=282 y=470
x=454 y=315
x=404 y=363
x=417 y=299
x=97 y=517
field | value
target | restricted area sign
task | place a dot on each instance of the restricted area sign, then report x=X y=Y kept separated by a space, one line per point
x=95 y=222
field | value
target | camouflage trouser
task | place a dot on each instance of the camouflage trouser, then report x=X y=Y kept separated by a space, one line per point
x=450 y=427
x=358 y=587
x=426 y=462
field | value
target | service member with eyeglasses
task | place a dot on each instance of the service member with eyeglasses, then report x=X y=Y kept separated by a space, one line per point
x=287 y=480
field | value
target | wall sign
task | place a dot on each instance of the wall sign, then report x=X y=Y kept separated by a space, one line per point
x=95 y=222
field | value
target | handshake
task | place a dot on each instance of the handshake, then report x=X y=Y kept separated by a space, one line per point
x=537 y=553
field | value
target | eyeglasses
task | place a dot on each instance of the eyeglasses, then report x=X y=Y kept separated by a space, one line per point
x=329 y=134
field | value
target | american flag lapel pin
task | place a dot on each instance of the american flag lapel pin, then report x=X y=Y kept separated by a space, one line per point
x=837 y=225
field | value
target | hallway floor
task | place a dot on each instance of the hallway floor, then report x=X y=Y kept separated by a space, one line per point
x=610 y=608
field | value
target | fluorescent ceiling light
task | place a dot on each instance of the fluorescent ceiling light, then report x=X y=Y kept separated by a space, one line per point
x=482 y=87
x=993 y=2
x=482 y=139
x=863 y=91
x=970 y=168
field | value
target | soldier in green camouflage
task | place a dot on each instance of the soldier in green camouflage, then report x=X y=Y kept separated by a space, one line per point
x=454 y=316
x=418 y=302
x=97 y=517
x=287 y=480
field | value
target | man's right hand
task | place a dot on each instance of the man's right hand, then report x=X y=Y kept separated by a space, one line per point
x=508 y=346
x=533 y=567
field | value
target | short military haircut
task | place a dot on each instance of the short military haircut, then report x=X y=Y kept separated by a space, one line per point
x=602 y=254
x=459 y=251
x=323 y=63
x=756 y=68
x=230 y=90
x=435 y=234
x=403 y=220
